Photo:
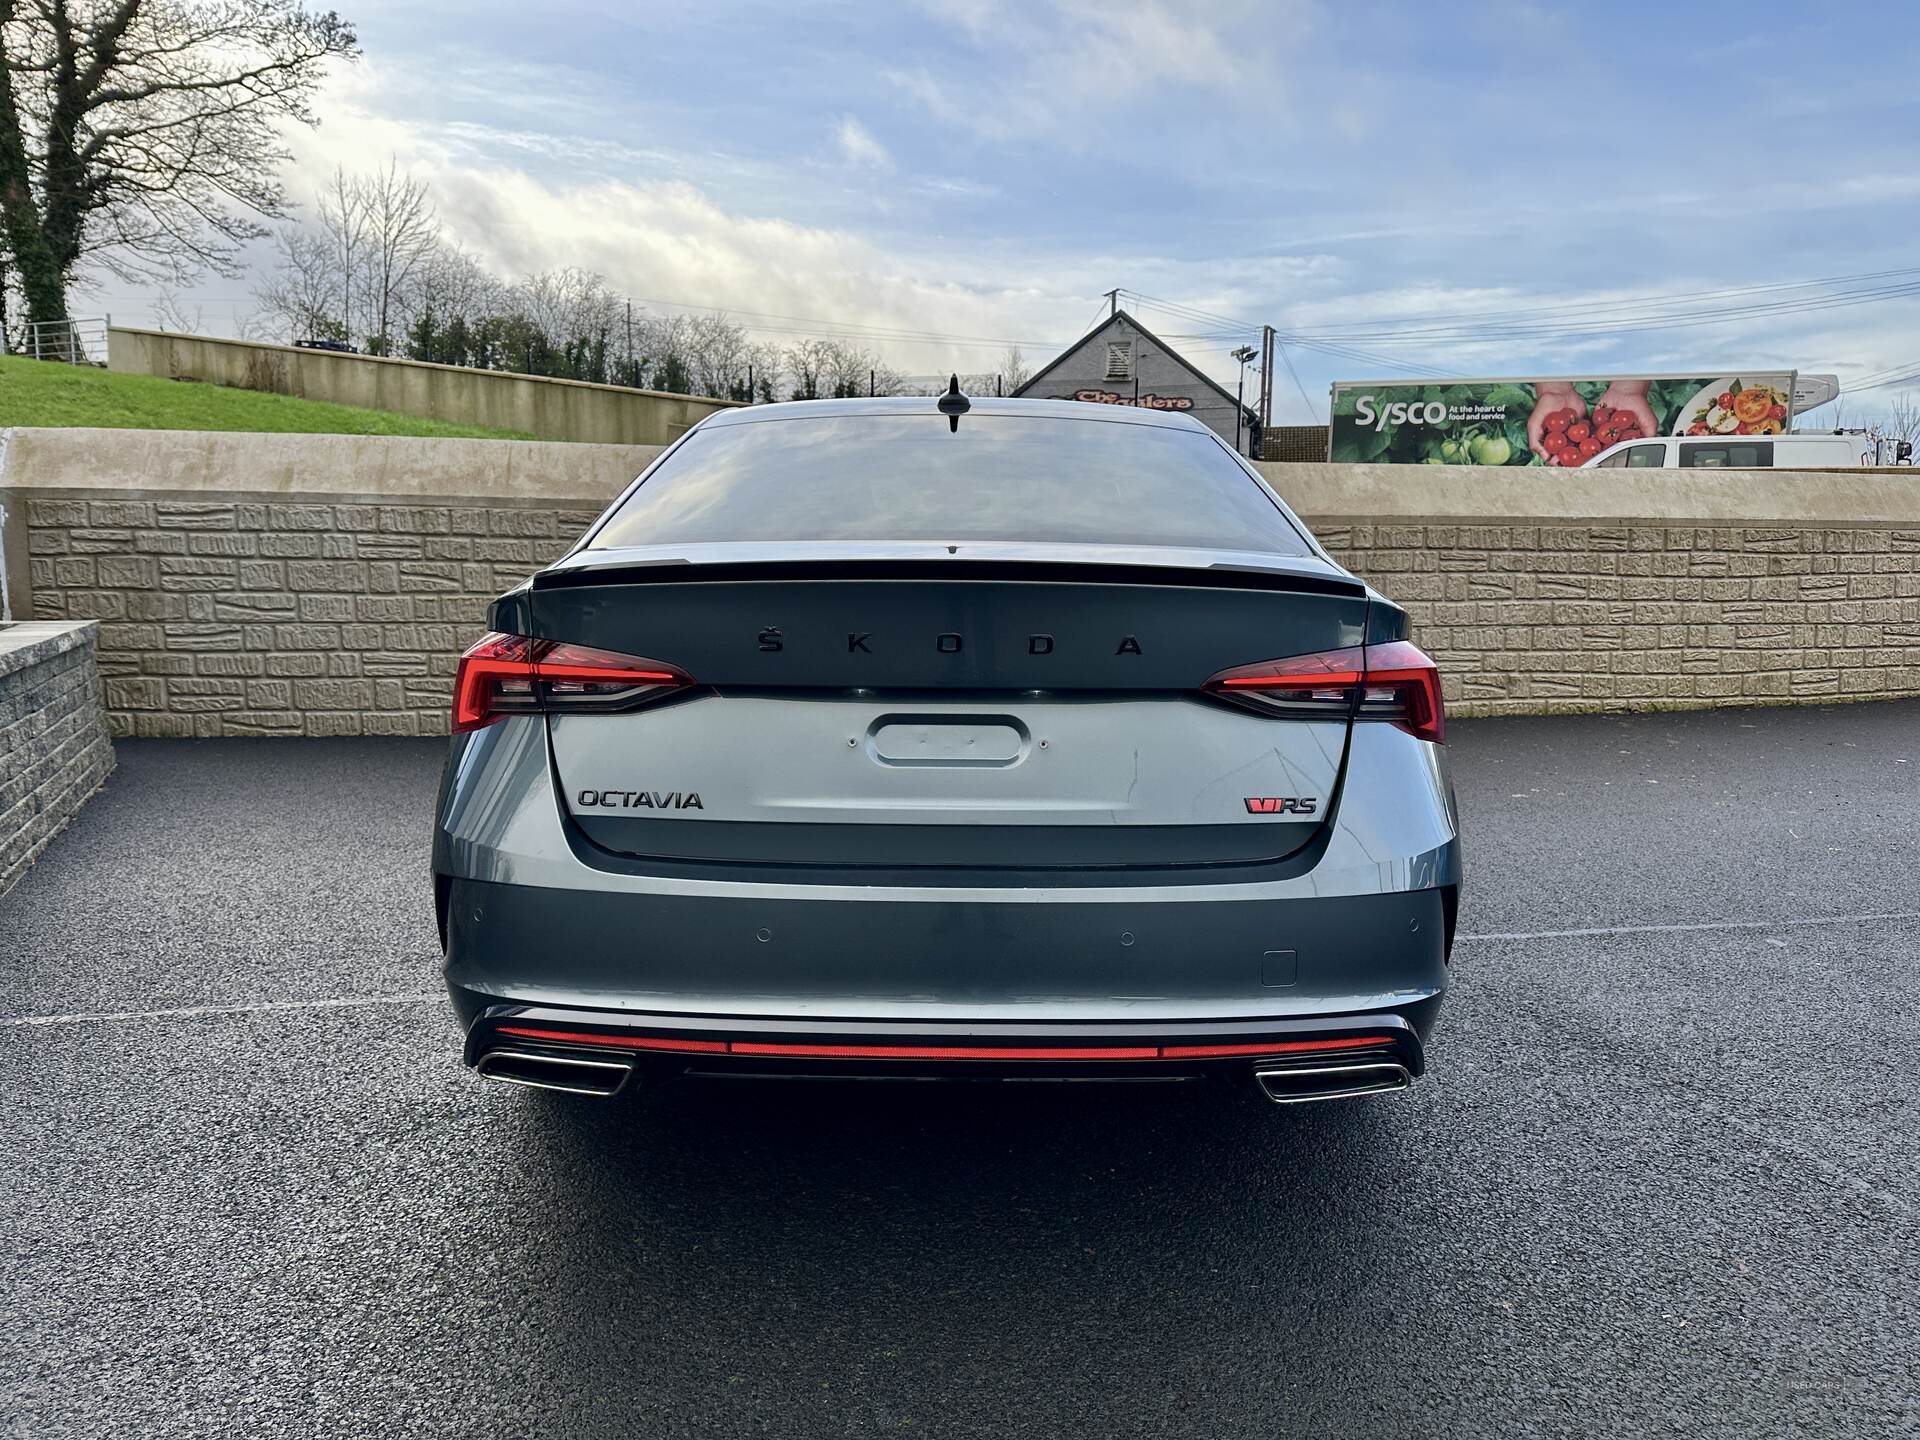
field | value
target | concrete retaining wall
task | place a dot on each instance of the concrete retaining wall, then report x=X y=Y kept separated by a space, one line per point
x=256 y=584
x=54 y=751
x=533 y=405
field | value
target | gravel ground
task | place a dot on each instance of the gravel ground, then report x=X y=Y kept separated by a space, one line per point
x=1660 y=1181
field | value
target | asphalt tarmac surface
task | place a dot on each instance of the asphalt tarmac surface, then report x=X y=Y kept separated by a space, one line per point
x=1661 y=1180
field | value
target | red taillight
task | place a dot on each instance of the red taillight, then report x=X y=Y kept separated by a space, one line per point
x=495 y=678
x=1394 y=681
x=1403 y=685
x=504 y=675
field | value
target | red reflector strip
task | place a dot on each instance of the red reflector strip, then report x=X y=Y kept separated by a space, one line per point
x=1284 y=1047
x=952 y=1052
x=801 y=1050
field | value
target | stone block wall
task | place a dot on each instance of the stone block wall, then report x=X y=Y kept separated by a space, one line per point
x=275 y=617
x=1539 y=618
x=325 y=585
x=54 y=751
x=267 y=616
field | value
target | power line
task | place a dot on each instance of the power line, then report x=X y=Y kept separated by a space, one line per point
x=1553 y=318
x=1909 y=375
x=1288 y=362
x=1624 y=322
x=830 y=328
x=1599 y=305
x=1652 y=313
x=1294 y=338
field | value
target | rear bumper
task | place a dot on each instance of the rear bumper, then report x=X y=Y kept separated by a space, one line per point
x=661 y=1045
x=758 y=956
x=946 y=966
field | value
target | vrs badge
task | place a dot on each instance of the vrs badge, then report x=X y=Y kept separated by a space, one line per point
x=1282 y=804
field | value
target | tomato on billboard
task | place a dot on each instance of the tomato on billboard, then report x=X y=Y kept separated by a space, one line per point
x=1561 y=422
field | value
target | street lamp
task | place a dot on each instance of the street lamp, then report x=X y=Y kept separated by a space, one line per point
x=1243 y=355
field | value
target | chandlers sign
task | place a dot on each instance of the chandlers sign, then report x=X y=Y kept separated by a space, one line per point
x=1562 y=421
x=1145 y=402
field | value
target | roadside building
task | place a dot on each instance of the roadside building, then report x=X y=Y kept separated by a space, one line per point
x=1294 y=442
x=1121 y=362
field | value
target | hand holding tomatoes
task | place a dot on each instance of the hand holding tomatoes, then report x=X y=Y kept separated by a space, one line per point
x=1563 y=433
x=1627 y=400
x=1556 y=406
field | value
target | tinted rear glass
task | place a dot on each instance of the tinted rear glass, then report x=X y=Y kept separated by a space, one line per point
x=907 y=477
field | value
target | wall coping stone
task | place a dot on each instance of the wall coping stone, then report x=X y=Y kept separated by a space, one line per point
x=392 y=467
x=34 y=642
x=1404 y=494
x=403 y=468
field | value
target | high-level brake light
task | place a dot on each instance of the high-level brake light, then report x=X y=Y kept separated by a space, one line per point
x=503 y=675
x=1394 y=681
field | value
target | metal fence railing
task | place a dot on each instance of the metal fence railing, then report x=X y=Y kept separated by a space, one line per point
x=72 y=342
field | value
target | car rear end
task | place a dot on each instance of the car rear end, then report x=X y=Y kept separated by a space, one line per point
x=1030 y=742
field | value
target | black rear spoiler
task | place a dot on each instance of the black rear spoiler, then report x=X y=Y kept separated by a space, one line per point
x=511 y=611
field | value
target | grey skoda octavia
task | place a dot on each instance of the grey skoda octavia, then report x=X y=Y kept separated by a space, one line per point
x=1011 y=739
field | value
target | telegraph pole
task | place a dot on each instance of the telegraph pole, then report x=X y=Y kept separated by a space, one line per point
x=1266 y=378
x=1113 y=302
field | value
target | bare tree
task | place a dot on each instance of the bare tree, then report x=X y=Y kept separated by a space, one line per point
x=765 y=367
x=402 y=231
x=569 y=303
x=810 y=364
x=365 y=265
x=846 y=370
x=717 y=353
x=454 y=295
x=306 y=291
x=170 y=314
x=142 y=134
x=1014 y=370
x=453 y=282
x=344 y=226
x=1903 y=418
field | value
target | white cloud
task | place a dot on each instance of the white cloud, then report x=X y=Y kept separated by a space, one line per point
x=858 y=148
x=667 y=239
x=1065 y=68
x=535 y=186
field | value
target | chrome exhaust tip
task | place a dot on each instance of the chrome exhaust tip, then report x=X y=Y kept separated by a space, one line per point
x=1297 y=1085
x=539 y=1070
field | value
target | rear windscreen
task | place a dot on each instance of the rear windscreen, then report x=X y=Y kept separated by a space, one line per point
x=908 y=477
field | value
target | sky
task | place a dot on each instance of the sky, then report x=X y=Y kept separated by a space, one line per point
x=954 y=176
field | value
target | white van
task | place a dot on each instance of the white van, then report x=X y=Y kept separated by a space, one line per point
x=1740 y=452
